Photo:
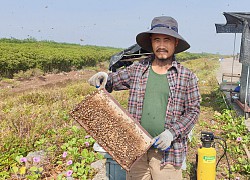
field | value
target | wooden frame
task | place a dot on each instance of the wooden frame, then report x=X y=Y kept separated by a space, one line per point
x=123 y=138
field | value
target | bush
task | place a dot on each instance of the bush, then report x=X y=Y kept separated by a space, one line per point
x=26 y=75
x=18 y=56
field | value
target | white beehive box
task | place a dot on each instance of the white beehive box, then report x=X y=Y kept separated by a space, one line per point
x=112 y=127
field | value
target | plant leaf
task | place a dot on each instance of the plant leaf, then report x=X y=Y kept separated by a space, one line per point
x=15 y=169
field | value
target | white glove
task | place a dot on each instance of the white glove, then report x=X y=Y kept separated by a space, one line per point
x=99 y=80
x=163 y=141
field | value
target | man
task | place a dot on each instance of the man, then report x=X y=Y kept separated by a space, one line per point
x=163 y=97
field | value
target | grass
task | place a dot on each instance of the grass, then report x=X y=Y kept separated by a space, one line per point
x=217 y=117
x=39 y=120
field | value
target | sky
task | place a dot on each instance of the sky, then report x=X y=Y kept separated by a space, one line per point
x=116 y=23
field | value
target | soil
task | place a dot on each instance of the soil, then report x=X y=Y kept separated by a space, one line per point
x=47 y=80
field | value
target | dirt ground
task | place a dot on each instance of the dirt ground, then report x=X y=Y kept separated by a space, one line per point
x=48 y=80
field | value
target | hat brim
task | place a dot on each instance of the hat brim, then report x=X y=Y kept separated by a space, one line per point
x=143 y=39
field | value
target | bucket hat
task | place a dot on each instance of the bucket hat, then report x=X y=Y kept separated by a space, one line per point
x=162 y=25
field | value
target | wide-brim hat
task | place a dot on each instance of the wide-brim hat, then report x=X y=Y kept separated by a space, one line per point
x=162 y=25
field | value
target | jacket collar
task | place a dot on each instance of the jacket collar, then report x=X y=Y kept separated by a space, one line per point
x=175 y=66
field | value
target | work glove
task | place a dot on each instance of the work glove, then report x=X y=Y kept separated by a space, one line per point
x=163 y=141
x=99 y=80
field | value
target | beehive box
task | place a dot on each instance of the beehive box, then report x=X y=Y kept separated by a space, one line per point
x=112 y=127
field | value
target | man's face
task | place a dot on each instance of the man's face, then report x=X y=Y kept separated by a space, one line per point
x=163 y=46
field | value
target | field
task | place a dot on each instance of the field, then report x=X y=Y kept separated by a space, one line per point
x=34 y=117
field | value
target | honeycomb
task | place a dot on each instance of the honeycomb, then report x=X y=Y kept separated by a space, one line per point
x=112 y=127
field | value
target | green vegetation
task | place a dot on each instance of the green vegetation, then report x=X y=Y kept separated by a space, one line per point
x=184 y=56
x=21 y=55
x=48 y=56
x=39 y=120
x=223 y=122
x=237 y=135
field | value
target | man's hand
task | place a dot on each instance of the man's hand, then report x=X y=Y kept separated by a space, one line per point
x=163 y=141
x=99 y=80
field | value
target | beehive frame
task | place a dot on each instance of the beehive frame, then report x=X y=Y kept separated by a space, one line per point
x=112 y=127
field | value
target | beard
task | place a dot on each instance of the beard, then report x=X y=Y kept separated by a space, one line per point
x=162 y=57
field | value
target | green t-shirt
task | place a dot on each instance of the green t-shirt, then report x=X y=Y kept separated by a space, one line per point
x=155 y=103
